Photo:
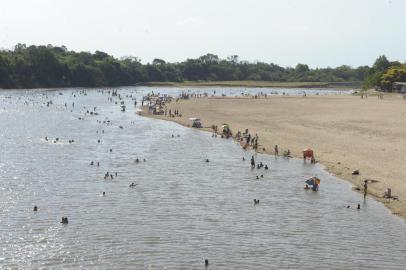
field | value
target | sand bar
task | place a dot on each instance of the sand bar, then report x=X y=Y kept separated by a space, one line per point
x=346 y=132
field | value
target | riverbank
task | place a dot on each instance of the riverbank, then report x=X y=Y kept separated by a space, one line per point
x=335 y=85
x=346 y=132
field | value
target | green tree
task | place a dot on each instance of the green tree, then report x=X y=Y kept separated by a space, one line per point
x=393 y=74
x=381 y=64
x=301 y=68
x=157 y=62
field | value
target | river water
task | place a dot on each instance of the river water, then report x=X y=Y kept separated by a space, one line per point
x=183 y=209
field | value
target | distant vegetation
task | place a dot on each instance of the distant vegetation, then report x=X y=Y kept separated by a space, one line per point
x=384 y=73
x=50 y=66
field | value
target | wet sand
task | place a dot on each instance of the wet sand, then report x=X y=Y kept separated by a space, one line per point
x=347 y=133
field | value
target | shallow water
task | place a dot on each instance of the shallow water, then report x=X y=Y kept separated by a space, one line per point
x=182 y=211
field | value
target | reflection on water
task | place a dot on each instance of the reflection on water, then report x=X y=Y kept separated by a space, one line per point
x=182 y=211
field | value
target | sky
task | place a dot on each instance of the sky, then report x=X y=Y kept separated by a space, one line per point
x=319 y=33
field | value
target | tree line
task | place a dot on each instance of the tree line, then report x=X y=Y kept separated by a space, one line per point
x=384 y=73
x=54 y=66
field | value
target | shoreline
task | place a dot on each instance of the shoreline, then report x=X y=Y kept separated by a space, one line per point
x=332 y=161
x=205 y=84
x=257 y=84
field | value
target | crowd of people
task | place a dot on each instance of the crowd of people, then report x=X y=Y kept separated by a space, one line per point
x=86 y=112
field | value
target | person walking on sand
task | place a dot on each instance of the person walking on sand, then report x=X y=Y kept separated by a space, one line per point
x=365 y=188
x=255 y=146
x=248 y=138
x=276 y=150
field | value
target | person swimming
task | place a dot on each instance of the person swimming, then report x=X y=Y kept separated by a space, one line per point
x=306 y=187
x=133 y=185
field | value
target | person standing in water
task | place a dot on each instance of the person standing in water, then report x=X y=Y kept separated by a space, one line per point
x=252 y=162
x=365 y=188
x=276 y=150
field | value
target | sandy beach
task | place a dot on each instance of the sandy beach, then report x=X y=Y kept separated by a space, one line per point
x=346 y=132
